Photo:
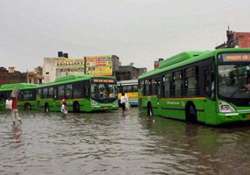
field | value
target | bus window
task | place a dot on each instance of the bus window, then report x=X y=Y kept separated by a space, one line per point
x=129 y=88
x=140 y=85
x=178 y=83
x=150 y=87
x=55 y=92
x=39 y=93
x=86 y=89
x=111 y=91
x=120 y=90
x=191 y=81
x=159 y=87
x=124 y=89
x=162 y=86
x=144 y=88
x=51 y=92
x=68 y=91
x=135 y=88
x=61 y=91
x=2 y=96
x=5 y=95
x=172 y=85
x=154 y=87
x=147 y=88
x=45 y=92
x=27 y=95
x=78 y=90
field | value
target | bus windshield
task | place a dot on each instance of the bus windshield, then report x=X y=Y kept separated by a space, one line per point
x=234 y=80
x=103 y=92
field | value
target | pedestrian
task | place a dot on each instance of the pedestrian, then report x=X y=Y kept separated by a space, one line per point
x=14 y=109
x=127 y=105
x=123 y=101
x=64 y=106
x=8 y=104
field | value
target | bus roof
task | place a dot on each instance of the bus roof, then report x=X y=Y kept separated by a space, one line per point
x=74 y=78
x=20 y=86
x=186 y=58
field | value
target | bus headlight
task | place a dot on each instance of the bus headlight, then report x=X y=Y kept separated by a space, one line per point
x=224 y=107
x=93 y=102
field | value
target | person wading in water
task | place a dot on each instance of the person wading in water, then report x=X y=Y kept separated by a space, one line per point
x=64 y=106
x=123 y=101
x=14 y=110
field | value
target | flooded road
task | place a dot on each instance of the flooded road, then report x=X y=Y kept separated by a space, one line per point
x=109 y=143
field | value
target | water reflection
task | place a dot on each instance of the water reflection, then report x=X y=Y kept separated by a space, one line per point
x=112 y=143
x=17 y=132
x=200 y=149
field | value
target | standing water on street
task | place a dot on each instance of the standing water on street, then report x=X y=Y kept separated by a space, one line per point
x=111 y=143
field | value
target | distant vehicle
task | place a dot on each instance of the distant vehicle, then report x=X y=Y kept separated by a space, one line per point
x=26 y=95
x=82 y=94
x=129 y=87
x=211 y=87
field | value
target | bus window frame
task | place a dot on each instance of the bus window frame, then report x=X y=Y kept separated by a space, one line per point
x=49 y=92
x=21 y=95
x=70 y=96
x=60 y=96
x=169 y=83
x=44 y=95
x=80 y=84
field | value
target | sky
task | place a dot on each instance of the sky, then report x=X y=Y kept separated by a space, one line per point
x=138 y=31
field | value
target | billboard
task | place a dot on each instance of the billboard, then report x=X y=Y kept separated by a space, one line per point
x=55 y=67
x=99 y=65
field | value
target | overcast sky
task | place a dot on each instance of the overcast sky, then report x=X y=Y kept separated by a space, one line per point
x=137 y=31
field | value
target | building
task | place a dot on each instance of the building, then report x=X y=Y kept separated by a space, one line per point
x=10 y=75
x=35 y=76
x=129 y=72
x=55 y=67
x=236 y=39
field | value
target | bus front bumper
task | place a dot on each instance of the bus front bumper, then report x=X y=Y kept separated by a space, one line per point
x=104 y=107
x=233 y=117
x=133 y=103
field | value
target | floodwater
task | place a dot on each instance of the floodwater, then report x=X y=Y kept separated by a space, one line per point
x=109 y=143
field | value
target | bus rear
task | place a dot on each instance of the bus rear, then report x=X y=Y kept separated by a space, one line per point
x=130 y=88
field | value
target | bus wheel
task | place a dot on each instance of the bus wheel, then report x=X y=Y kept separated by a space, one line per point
x=46 y=107
x=191 y=113
x=27 y=107
x=149 y=109
x=76 y=107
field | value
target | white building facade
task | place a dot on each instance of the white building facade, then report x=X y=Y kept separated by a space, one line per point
x=55 y=67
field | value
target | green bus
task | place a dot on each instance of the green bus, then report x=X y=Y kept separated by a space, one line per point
x=27 y=95
x=82 y=93
x=210 y=87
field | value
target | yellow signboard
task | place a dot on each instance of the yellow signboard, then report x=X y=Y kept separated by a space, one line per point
x=99 y=65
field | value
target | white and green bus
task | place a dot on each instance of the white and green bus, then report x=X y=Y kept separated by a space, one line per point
x=82 y=93
x=211 y=87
